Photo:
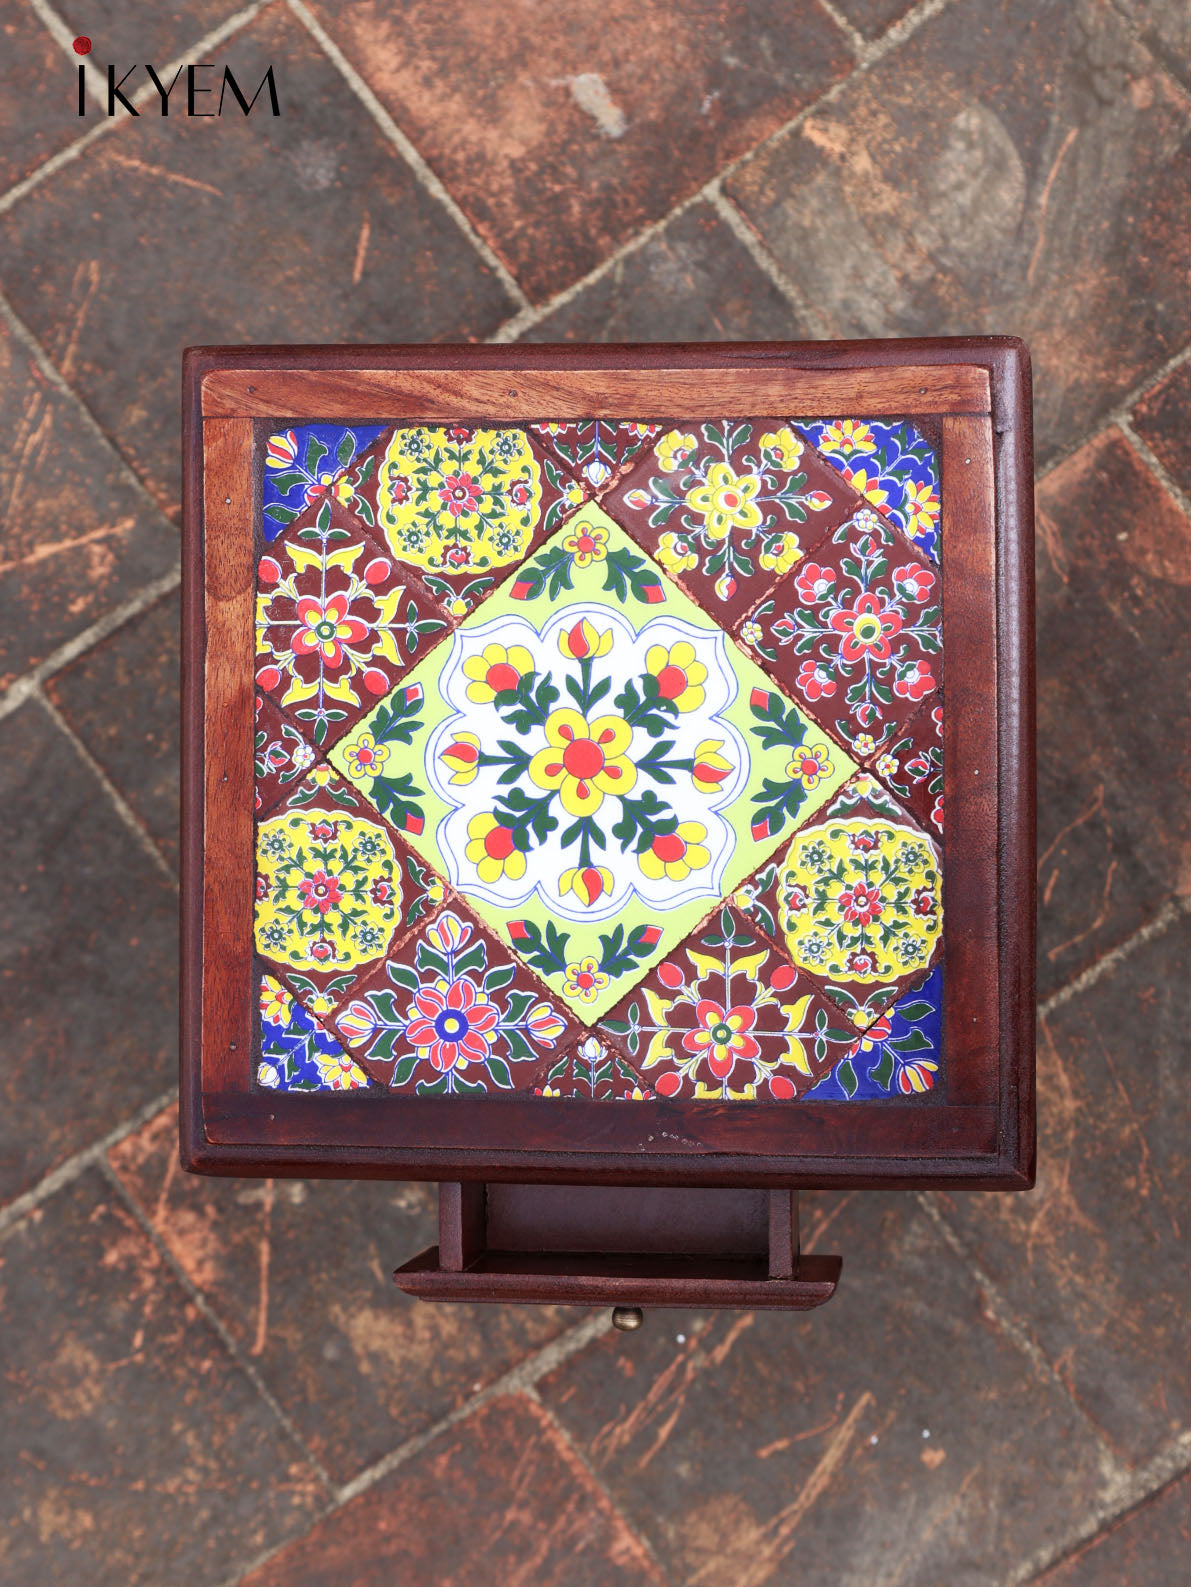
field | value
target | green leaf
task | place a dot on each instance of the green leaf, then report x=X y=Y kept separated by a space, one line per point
x=500 y=976
x=915 y=1011
x=346 y=449
x=499 y=1070
x=402 y=974
x=315 y=452
x=405 y=1068
x=281 y=514
x=847 y=1077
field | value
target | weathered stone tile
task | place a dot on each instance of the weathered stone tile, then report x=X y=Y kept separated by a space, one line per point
x=1165 y=26
x=1094 y=1261
x=1114 y=722
x=307 y=227
x=1163 y=420
x=691 y=282
x=121 y=698
x=630 y=110
x=88 y=966
x=301 y=1273
x=499 y=1498
x=128 y=31
x=78 y=537
x=872 y=17
x=1017 y=166
x=896 y=1429
x=1149 y=1547
x=133 y=1450
x=35 y=121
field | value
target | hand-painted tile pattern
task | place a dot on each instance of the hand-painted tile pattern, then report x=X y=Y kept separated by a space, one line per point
x=892 y=466
x=515 y=775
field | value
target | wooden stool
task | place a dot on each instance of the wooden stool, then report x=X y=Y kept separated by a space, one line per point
x=568 y=736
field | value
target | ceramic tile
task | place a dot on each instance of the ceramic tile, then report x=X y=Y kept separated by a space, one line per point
x=337 y=622
x=296 y=1053
x=593 y=1071
x=462 y=505
x=893 y=466
x=313 y=464
x=452 y=1012
x=596 y=450
x=901 y=1053
x=861 y=623
x=280 y=755
x=728 y=506
x=727 y=1017
x=594 y=764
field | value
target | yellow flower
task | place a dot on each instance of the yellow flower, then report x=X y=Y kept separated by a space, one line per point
x=321 y=776
x=365 y=756
x=750 y=633
x=584 y=760
x=675 y=854
x=492 y=851
x=276 y=1002
x=462 y=755
x=725 y=501
x=582 y=642
x=572 y=493
x=674 y=553
x=887 y=765
x=338 y=1071
x=589 y=883
x=780 y=555
x=864 y=744
x=848 y=435
x=868 y=488
x=435 y=891
x=921 y=507
x=584 y=980
x=785 y=447
x=674 y=449
x=448 y=933
x=495 y=670
x=457 y=607
x=586 y=543
x=709 y=768
x=680 y=677
x=809 y=766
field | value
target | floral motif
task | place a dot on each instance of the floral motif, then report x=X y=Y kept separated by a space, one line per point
x=596 y=449
x=900 y=1053
x=594 y=1072
x=726 y=1016
x=893 y=466
x=335 y=626
x=296 y=1053
x=449 y=1015
x=722 y=502
x=300 y=473
x=864 y=624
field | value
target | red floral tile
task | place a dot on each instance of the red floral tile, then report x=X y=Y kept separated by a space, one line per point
x=335 y=888
x=451 y=1012
x=281 y=756
x=725 y=1015
x=337 y=622
x=727 y=506
x=596 y=450
x=912 y=764
x=861 y=623
x=594 y=1071
x=462 y=505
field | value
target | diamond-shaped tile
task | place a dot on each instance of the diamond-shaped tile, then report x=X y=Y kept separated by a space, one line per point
x=901 y=1054
x=596 y=450
x=593 y=1071
x=296 y=1053
x=450 y=1011
x=893 y=466
x=912 y=764
x=337 y=623
x=335 y=887
x=726 y=1016
x=861 y=624
x=280 y=755
x=463 y=504
x=313 y=464
x=591 y=762
x=728 y=506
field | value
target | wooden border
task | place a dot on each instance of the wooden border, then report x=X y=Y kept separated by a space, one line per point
x=979 y=1134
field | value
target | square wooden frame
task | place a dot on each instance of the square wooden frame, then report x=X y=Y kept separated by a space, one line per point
x=979 y=1134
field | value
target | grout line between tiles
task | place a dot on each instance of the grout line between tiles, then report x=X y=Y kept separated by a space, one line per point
x=64 y=38
x=857 y=42
x=1125 y=1492
x=1120 y=415
x=1172 y=910
x=29 y=685
x=393 y=133
x=1157 y=468
x=121 y=806
x=17 y=1210
x=206 y=1310
x=817 y=326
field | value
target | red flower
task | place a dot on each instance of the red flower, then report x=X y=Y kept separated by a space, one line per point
x=322 y=950
x=867 y=629
x=458 y=556
x=519 y=493
x=862 y=963
x=453 y=1024
x=916 y=1076
x=797 y=899
x=722 y=1035
x=323 y=831
x=325 y=626
x=861 y=904
x=814 y=680
x=399 y=487
x=923 y=902
x=814 y=583
x=460 y=432
x=936 y=814
x=918 y=767
x=912 y=582
x=862 y=842
x=318 y=491
x=460 y=493
x=263 y=886
x=381 y=892
x=320 y=892
x=915 y=681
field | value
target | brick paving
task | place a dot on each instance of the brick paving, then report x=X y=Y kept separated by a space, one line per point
x=215 y=1381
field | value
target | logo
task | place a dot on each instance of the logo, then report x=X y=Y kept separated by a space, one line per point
x=198 y=91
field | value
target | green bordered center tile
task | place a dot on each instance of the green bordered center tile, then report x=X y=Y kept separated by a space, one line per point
x=591 y=762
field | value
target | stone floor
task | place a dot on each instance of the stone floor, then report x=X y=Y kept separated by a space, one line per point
x=216 y=1382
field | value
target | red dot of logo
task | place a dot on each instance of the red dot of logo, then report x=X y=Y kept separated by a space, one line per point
x=82 y=45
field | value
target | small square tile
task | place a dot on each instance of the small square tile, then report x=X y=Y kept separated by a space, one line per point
x=314 y=464
x=893 y=465
x=900 y=1054
x=296 y=1053
x=860 y=619
x=337 y=623
x=452 y=1012
x=727 y=506
x=463 y=504
x=726 y=1016
x=596 y=450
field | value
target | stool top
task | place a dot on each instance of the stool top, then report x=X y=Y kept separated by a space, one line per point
x=610 y=764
